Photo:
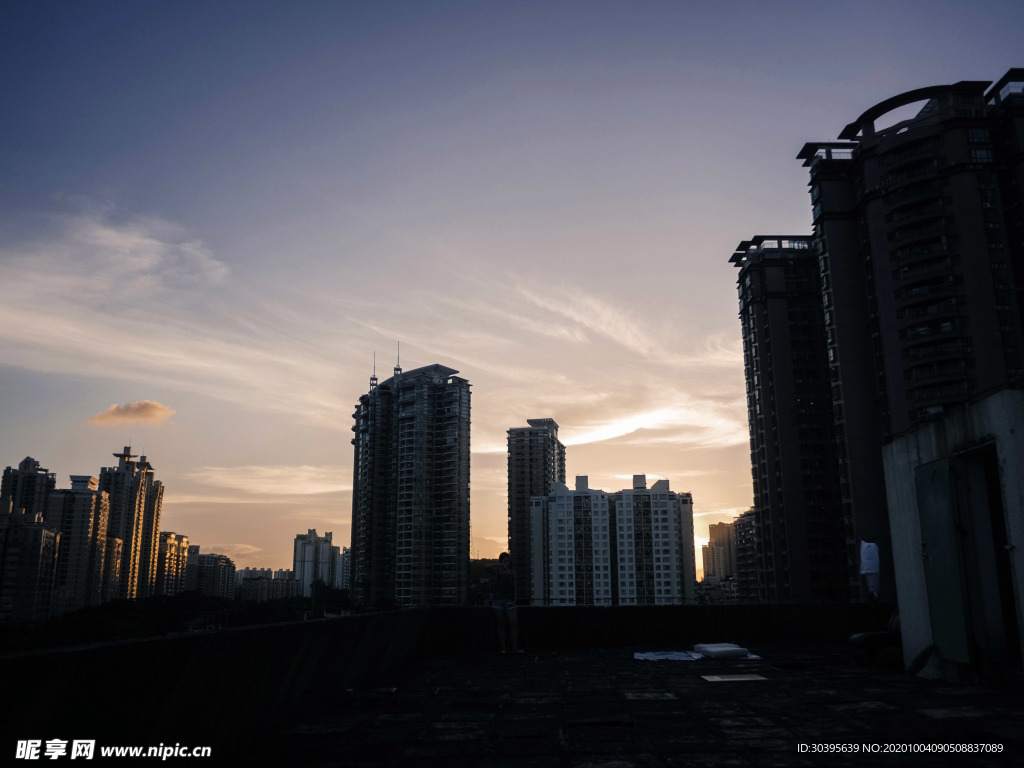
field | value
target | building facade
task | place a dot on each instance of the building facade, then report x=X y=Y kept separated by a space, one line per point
x=149 y=551
x=634 y=547
x=315 y=558
x=172 y=559
x=28 y=564
x=28 y=486
x=748 y=576
x=719 y=553
x=410 y=490
x=126 y=485
x=211 y=575
x=81 y=515
x=919 y=236
x=803 y=554
x=536 y=459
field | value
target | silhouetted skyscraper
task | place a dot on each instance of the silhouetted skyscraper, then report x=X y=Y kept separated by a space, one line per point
x=28 y=564
x=802 y=549
x=920 y=241
x=919 y=235
x=410 y=490
x=748 y=575
x=536 y=459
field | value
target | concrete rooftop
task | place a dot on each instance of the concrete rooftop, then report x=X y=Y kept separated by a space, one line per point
x=594 y=707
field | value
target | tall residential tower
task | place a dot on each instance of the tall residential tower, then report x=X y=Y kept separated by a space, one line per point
x=802 y=551
x=410 y=490
x=536 y=459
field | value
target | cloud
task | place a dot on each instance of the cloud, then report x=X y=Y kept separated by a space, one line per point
x=140 y=411
x=487 y=547
x=234 y=551
x=597 y=317
x=273 y=480
x=187 y=498
x=687 y=421
x=141 y=301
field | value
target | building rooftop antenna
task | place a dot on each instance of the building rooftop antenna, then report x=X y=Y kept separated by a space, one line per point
x=398 y=360
x=373 y=378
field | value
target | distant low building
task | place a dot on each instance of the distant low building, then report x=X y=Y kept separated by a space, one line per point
x=315 y=558
x=260 y=589
x=211 y=575
x=253 y=573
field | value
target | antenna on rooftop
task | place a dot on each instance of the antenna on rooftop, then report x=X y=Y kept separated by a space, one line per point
x=373 y=378
x=398 y=360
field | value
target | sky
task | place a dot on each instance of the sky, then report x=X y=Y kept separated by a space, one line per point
x=214 y=216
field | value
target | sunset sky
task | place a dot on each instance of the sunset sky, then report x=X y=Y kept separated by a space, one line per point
x=214 y=214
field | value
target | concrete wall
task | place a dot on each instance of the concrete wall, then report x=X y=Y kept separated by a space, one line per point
x=998 y=419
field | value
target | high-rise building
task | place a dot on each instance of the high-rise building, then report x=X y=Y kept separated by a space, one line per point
x=536 y=459
x=81 y=515
x=126 y=484
x=149 y=551
x=410 y=490
x=171 y=562
x=28 y=486
x=315 y=558
x=919 y=238
x=259 y=589
x=803 y=553
x=920 y=245
x=28 y=564
x=720 y=552
x=112 y=567
x=634 y=547
x=748 y=576
x=345 y=566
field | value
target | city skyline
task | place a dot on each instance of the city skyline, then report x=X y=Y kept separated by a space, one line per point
x=214 y=220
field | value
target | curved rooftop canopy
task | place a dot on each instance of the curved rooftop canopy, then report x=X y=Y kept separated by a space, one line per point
x=919 y=94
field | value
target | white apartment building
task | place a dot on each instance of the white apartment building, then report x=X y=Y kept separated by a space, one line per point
x=633 y=547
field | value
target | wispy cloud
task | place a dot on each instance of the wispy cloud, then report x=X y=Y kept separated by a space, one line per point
x=234 y=551
x=685 y=421
x=140 y=411
x=303 y=480
x=605 y=320
x=198 y=498
x=140 y=301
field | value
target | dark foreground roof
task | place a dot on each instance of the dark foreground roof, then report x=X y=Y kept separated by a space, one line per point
x=590 y=707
